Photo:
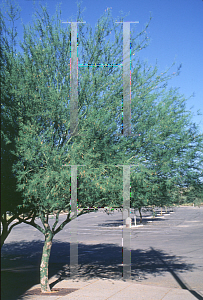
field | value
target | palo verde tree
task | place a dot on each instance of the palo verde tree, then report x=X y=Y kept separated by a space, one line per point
x=44 y=144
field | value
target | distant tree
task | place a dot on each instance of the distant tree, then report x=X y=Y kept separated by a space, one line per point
x=170 y=146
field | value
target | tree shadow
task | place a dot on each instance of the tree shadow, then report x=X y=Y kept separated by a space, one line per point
x=104 y=261
x=113 y=223
x=119 y=222
x=146 y=213
x=21 y=261
x=19 y=267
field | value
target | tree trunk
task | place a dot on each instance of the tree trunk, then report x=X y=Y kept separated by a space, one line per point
x=5 y=230
x=44 y=280
x=140 y=208
x=153 y=213
x=4 y=235
x=5 y=224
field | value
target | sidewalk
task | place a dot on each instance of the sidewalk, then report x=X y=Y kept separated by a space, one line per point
x=103 y=289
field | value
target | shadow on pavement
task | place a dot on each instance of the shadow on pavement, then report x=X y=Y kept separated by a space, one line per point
x=181 y=283
x=119 y=222
x=20 y=264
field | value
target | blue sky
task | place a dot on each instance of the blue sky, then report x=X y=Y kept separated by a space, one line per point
x=175 y=32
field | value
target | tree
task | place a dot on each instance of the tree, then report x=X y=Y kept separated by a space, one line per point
x=44 y=144
x=170 y=145
x=10 y=198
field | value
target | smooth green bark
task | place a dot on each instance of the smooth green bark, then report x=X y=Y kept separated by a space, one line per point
x=44 y=280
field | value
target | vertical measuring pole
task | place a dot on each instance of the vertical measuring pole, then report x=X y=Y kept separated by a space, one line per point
x=126 y=239
x=73 y=132
x=73 y=80
x=126 y=234
x=126 y=80
x=126 y=132
x=73 y=224
x=126 y=230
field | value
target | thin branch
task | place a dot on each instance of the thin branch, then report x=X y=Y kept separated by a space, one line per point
x=32 y=224
x=13 y=226
x=11 y=219
x=62 y=225
x=45 y=157
x=84 y=211
x=56 y=222
x=4 y=218
x=33 y=217
x=44 y=220
x=47 y=218
x=29 y=171
x=29 y=216
x=42 y=168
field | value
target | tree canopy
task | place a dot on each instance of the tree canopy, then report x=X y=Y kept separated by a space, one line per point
x=163 y=150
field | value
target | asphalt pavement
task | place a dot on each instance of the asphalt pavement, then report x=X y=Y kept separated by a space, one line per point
x=166 y=258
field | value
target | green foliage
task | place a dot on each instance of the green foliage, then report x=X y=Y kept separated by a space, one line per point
x=163 y=152
x=44 y=144
x=11 y=199
x=169 y=148
x=8 y=64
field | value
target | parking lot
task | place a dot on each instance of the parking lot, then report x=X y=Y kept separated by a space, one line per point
x=166 y=251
